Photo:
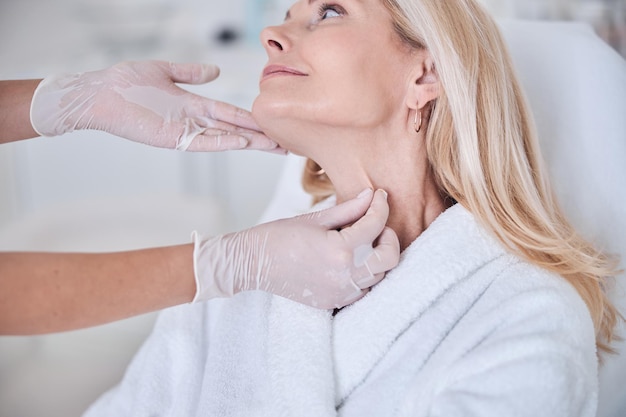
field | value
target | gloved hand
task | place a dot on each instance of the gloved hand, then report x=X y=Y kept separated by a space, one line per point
x=141 y=102
x=305 y=258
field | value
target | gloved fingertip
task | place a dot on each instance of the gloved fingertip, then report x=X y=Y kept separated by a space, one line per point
x=231 y=142
x=355 y=296
x=383 y=192
x=210 y=72
x=193 y=73
x=261 y=142
x=277 y=150
x=367 y=193
x=370 y=280
x=243 y=142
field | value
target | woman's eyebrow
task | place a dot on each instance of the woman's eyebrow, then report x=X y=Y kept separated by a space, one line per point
x=288 y=14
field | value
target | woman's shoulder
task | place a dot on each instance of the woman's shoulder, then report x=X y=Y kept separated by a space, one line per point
x=525 y=298
x=518 y=282
x=530 y=341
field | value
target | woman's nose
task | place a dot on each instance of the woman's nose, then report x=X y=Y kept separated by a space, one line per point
x=274 y=39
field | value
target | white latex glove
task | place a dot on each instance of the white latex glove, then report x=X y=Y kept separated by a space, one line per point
x=141 y=102
x=305 y=258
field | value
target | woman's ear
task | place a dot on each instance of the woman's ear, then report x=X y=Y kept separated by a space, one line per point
x=425 y=85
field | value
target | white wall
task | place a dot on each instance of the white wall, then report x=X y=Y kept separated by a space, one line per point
x=42 y=37
x=608 y=17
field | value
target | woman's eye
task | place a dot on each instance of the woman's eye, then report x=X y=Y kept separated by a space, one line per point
x=327 y=11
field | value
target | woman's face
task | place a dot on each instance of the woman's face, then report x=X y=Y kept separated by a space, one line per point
x=331 y=66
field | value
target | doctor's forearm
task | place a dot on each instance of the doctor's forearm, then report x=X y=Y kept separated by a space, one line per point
x=15 y=99
x=52 y=292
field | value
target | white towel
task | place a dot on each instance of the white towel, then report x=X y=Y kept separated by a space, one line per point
x=458 y=328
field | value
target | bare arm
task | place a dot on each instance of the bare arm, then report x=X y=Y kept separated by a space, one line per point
x=43 y=292
x=15 y=99
x=51 y=292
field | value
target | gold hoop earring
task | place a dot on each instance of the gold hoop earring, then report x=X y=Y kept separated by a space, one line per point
x=417 y=124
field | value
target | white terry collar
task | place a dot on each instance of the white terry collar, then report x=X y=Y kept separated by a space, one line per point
x=321 y=359
x=451 y=248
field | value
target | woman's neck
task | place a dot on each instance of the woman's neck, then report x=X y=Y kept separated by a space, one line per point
x=403 y=171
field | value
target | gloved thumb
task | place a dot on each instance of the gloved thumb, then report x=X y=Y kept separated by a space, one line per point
x=345 y=213
x=193 y=73
x=372 y=224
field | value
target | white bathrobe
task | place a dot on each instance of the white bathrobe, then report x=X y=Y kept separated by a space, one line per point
x=459 y=328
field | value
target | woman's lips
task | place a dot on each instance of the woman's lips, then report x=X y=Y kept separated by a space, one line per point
x=279 y=70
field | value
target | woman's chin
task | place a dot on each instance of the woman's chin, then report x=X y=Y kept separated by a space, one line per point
x=270 y=123
x=281 y=122
x=265 y=117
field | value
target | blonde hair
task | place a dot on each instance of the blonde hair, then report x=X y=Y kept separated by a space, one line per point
x=483 y=148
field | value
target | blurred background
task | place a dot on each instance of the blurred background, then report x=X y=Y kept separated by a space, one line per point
x=608 y=17
x=89 y=191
